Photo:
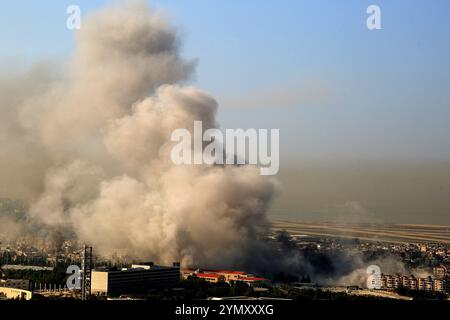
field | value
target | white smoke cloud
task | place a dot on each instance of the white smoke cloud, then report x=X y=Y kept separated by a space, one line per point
x=104 y=132
x=388 y=265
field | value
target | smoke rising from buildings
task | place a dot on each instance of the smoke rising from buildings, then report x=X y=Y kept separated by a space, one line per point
x=89 y=149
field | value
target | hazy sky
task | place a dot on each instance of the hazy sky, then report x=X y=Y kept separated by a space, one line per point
x=364 y=115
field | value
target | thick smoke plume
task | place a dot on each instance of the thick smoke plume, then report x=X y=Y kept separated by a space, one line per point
x=89 y=148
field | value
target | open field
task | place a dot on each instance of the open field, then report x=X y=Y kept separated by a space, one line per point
x=400 y=233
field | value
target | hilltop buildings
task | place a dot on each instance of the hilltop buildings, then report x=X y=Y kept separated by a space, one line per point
x=390 y=282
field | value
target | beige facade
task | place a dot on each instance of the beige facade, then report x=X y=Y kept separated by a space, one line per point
x=440 y=271
x=231 y=275
x=391 y=281
x=440 y=285
x=99 y=282
x=214 y=276
x=15 y=283
x=425 y=284
x=210 y=277
x=409 y=282
x=13 y=293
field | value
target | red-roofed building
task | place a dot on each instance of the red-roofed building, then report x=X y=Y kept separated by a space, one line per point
x=210 y=277
x=252 y=280
x=230 y=275
x=185 y=273
x=215 y=276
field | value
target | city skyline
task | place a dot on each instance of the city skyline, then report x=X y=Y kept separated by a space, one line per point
x=224 y=158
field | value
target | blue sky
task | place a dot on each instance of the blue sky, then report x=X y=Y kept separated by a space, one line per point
x=389 y=82
x=387 y=91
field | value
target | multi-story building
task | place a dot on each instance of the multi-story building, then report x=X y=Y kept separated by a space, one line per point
x=21 y=284
x=440 y=271
x=223 y=275
x=210 y=277
x=413 y=285
x=440 y=285
x=391 y=281
x=405 y=281
x=409 y=282
x=137 y=279
x=14 y=293
x=425 y=284
x=230 y=275
x=383 y=281
x=397 y=280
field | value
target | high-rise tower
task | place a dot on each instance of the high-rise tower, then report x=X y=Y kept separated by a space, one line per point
x=86 y=272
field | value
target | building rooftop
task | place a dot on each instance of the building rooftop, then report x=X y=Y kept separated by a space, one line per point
x=208 y=275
